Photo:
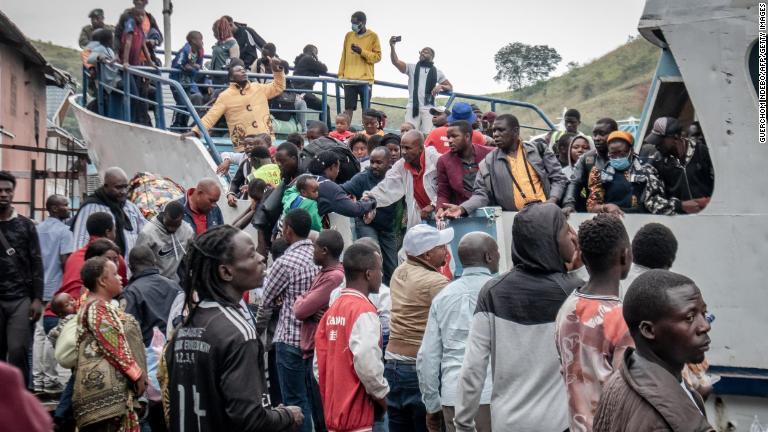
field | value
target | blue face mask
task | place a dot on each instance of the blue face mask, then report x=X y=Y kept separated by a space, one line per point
x=356 y=27
x=620 y=164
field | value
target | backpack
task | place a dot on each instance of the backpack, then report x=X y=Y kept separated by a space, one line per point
x=286 y=101
x=349 y=165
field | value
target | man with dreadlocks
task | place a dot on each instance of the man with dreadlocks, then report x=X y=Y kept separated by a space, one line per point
x=215 y=381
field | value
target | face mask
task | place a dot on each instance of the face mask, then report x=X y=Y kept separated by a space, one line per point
x=620 y=164
x=356 y=27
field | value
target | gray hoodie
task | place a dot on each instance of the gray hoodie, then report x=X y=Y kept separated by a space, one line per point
x=169 y=248
x=514 y=328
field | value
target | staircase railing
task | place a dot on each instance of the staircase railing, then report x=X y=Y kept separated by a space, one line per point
x=131 y=92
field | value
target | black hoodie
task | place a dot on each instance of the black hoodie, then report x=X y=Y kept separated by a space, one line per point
x=307 y=65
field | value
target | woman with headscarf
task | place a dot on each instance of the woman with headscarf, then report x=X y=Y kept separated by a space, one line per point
x=569 y=149
x=625 y=184
x=111 y=371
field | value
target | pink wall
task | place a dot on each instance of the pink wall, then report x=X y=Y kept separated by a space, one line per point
x=22 y=112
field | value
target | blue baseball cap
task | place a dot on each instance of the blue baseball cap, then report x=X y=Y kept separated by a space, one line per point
x=462 y=111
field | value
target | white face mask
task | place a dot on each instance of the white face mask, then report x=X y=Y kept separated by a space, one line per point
x=356 y=27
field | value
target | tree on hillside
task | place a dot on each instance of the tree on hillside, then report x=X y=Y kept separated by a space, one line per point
x=522 y=65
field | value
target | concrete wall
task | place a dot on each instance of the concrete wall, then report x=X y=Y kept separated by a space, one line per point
x=22 y=112
x=138 y=148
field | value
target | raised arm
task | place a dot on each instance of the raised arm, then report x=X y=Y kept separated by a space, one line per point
x=399 y=64
x=277 y=86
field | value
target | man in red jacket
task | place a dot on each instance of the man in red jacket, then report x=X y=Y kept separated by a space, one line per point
x=348 y=348
x=456 y=170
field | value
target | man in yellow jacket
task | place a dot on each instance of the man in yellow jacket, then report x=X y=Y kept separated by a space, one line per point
x=361 y=51
x=244 y=105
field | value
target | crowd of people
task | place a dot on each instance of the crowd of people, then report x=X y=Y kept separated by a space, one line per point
x=184 y=325
x=672 y=172
x=270 y=322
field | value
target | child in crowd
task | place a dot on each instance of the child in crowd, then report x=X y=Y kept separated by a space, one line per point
x=263 y=167
x=297 y=139
x=249 y=143
x=186 y=64
x=372 y=123
x=342 y=132
x=256 y=191
x=65 y=307
x=258 y=165
x=358 y=144
x=304 y=195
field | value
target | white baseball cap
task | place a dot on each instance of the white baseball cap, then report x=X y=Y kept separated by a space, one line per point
x=422 y=238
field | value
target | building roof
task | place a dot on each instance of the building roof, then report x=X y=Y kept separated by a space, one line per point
x=12 y=36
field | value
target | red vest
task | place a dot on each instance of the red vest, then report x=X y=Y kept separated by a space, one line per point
x=346 y=404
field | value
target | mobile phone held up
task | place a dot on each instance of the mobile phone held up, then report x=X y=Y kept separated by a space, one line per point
x=398 y=38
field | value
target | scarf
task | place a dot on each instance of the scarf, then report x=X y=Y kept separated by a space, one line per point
x=431 y=83
x=122 y=221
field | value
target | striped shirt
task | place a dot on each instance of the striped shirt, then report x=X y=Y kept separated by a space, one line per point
x=131 y=210
x=290 y=276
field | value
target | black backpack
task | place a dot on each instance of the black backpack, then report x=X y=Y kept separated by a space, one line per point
x=286 y=101
x=349 y=165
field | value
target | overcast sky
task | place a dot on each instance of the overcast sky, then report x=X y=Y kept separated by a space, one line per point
x=465 y=35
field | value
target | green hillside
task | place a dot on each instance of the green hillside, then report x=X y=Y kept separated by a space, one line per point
x=61 y=57
x=614 y=85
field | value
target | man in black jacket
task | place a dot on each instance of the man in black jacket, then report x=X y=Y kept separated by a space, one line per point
x=382 y=228
x=215 y=360
x=21 y=279
x=248 y=40
x=684 y=165
x=149 y=295
x=265 y=219
x=307 y=64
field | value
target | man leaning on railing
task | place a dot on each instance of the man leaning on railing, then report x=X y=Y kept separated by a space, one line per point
x=244 y=105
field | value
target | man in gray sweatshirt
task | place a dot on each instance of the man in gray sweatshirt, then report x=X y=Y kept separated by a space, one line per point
x=514 y=327
x=167 y=235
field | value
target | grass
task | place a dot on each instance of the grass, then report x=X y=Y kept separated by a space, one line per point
x=614 y=85
x=64 y=58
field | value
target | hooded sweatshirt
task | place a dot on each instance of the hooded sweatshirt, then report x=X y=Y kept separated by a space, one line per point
x=169 y=248
x=514 y=326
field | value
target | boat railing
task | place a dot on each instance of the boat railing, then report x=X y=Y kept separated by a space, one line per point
x=210 y=81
